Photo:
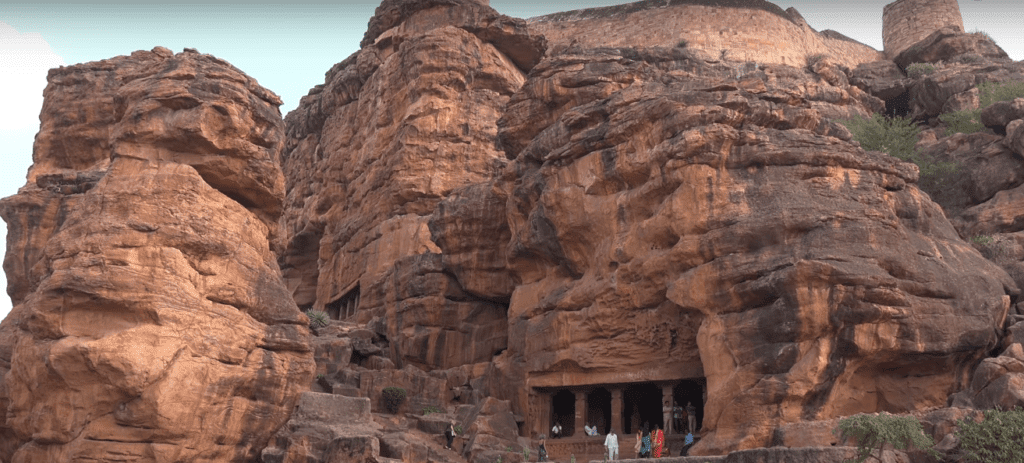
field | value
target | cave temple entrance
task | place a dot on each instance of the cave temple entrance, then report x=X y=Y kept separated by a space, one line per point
x=623 y=408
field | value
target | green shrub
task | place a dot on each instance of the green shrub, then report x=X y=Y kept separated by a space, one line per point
x=317 y=319
x=526 y=454
x=874 y=432
x=393 y=398
x=969 y=120
x=993 y=92
x=965 y=121
x=919 y=70
x=431 y=409
x=897 y=137
x=999 y=437
x=682 y=43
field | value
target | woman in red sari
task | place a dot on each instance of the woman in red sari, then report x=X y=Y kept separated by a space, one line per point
x=657 y=442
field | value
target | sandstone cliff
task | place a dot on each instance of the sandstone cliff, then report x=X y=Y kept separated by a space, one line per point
x=151 y=323
x=622 y=216
x=515 y=231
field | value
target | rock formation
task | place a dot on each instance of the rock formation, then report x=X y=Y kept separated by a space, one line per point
x=516 y=235
x=151 y=322
x=643 y=212
x=431 y=80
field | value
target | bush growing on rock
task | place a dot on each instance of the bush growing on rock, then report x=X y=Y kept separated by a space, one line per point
x=874 y=432
x=813 y=59
x=897 y=136
x=969 y=120
x=998 y=437
x=393 y=398
x=317 y=319
x=919 y=70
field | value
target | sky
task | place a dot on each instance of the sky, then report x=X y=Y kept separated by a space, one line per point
x=288 y=48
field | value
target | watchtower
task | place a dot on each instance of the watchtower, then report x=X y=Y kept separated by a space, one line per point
x=906 y=22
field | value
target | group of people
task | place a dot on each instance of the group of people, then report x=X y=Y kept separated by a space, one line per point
x=678 y=413
x=649 y=444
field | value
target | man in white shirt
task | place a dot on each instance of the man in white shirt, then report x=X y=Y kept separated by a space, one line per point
x=611 y=443
x=556 y=431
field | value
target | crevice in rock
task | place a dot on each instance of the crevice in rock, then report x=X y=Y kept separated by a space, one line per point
x=898 y=106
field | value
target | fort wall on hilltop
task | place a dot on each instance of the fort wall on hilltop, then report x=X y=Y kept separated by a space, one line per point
x=906 y=22
x=745 y=30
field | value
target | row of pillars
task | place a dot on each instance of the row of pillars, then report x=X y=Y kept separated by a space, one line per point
x=581 y=410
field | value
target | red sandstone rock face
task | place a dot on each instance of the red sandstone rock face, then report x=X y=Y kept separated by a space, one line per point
x=499 y=225
x=151 y=321
x=393 y=130
x=663 y=210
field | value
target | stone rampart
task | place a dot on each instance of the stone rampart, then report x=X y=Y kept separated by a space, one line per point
x=906 y=22
x=746 y=30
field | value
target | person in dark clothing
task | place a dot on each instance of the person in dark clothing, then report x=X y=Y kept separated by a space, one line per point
x=542 y=450
x=449 y=434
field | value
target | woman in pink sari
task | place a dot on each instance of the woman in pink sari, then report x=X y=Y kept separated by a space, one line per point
x=657 y=442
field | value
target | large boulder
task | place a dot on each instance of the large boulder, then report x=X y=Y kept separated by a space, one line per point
x=999 y=114
x=326 y=428
x=152 y=323
x=882 y=79
x=948 y=43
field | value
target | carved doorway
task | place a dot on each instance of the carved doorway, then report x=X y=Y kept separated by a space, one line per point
x=692 y=391
x=599 y=410
x=641 y=404
x=563 y=412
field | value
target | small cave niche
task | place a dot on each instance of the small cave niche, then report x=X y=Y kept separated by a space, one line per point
x=345 y=306
x=898 y=106
x=358 y=359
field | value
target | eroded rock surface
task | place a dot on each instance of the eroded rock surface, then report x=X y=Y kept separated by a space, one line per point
x=947 y=43
x=151 y=321
x=701 y=206
x=394 y=129
x=497 y=222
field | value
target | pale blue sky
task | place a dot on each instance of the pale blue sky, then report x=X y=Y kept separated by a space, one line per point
x=287 y=48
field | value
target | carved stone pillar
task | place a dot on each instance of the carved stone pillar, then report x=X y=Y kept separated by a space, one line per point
x=581 y=413
x=617 y=411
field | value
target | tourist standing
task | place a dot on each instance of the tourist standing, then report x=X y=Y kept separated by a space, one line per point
x=677 y=417
x=542 y=450
x=645 y=443
x=691 y=417
x=611 y=445
x=449 y=435
x=657 y=441
x=666 y=412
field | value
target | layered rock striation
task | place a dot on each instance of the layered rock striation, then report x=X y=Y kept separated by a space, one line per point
x=625 y=216
x=395 y=128
x=514 y=233
x=151 y=322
